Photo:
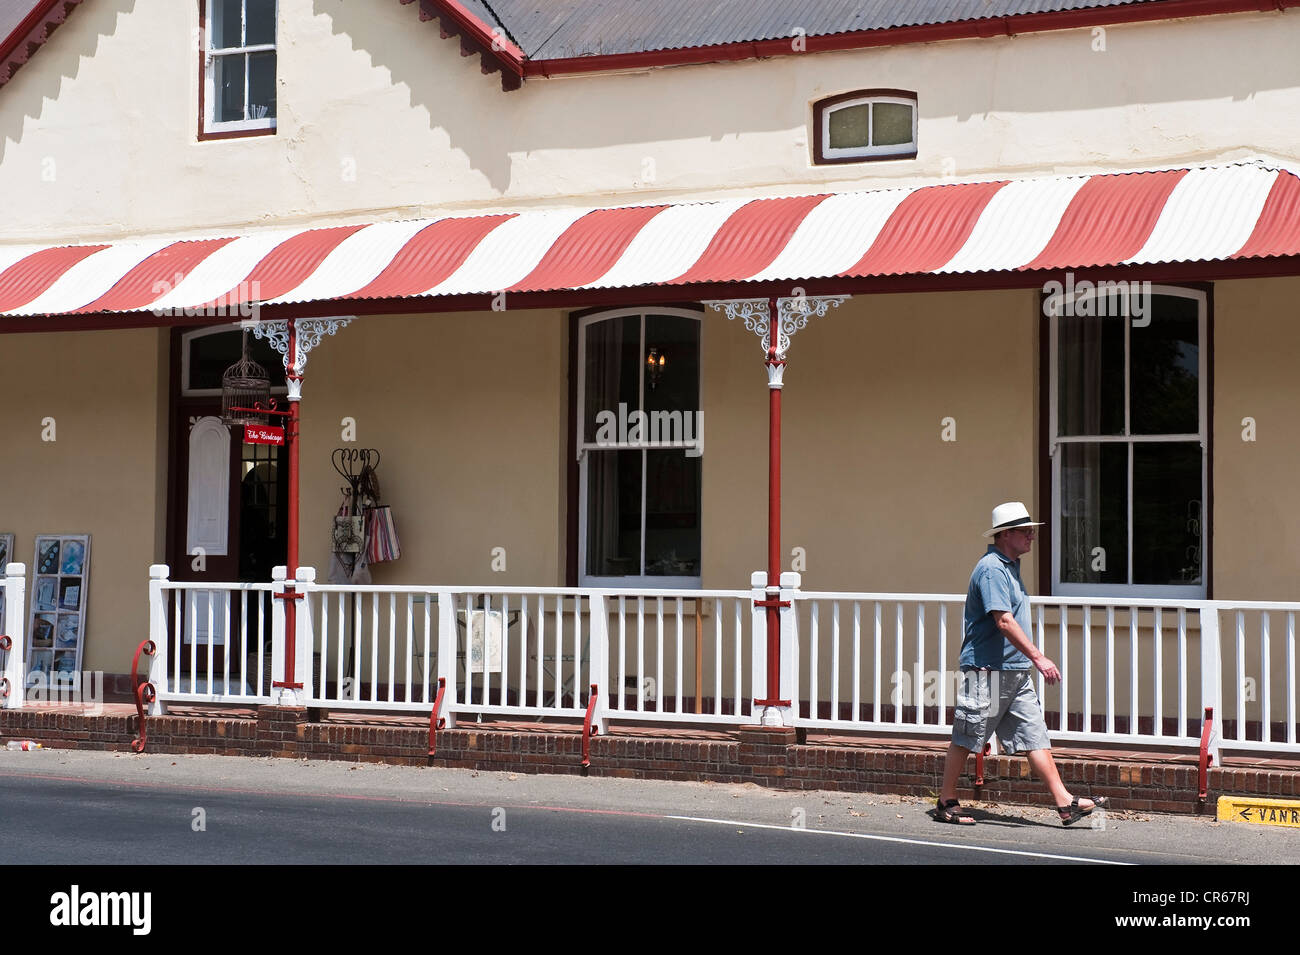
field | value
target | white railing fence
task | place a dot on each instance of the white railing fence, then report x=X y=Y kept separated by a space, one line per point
x=14 y=624
x=679 y=656
x=1139 y=672
x=1132 y=672
x=877 y=661
x=1258 y=648
x=213 y=642
x=527 y=652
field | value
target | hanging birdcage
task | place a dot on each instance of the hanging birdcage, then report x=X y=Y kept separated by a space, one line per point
x=245 y=384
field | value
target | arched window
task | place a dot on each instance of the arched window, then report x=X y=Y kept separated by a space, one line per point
x=864 y=125
x=640 y=444
x=208 y=352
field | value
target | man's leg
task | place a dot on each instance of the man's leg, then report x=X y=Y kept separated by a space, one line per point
x=953 y=764
x=1041 y=761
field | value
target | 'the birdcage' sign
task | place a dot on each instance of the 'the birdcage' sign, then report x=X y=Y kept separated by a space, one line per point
x=263 y=434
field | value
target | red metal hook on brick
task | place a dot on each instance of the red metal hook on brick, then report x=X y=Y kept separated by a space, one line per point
x=979 y=764
x=1203 y=764
x=435 y=721
x=143 y=692
x=587 y=731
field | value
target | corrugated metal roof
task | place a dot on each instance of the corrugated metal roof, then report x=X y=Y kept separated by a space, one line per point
x=563 y=29
x=1205 y=213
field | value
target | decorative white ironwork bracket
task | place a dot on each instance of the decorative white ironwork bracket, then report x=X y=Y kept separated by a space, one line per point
x=308 y=333
x=793 y=313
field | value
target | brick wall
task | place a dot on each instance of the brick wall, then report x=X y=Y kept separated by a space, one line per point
x=766 y=757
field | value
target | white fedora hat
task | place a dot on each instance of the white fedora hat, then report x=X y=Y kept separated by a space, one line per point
x=1010 y=515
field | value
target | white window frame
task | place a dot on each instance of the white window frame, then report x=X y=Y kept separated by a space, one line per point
x=1148 y=591
x=585 y=447
x=210 y=57
x=830 y=152
x=188 y=338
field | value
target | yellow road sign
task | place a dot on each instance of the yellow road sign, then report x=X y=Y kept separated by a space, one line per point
x=1256 y=809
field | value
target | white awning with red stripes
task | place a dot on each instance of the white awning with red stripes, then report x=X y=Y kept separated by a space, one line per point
x=1238 y=210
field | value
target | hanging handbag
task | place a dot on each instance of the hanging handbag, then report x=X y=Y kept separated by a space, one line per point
x=347 y=534
x=381 y=535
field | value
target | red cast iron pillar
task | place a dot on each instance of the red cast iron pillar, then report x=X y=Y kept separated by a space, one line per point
x=294 y=339
x=293 y=379
x=775 y=371
x=774 y=320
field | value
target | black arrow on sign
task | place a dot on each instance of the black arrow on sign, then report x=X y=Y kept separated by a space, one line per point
x=1245 y=813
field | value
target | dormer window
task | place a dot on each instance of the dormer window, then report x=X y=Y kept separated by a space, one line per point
x=864 y=125
x=238 y=39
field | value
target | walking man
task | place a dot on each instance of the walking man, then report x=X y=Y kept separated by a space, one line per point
x=996 y=694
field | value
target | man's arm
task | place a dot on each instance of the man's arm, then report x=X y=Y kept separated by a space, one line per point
x=1010 y=629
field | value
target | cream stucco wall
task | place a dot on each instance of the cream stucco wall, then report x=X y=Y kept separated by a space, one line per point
x=381 y=119
x=103 y=474
x=1255 y=494
x=872 y=492
x=470 y=412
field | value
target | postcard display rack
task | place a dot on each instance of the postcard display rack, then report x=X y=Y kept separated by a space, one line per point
x=60 y=576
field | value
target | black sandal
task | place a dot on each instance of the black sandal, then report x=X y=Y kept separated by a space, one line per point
x=951 y=811
x=1074 y=812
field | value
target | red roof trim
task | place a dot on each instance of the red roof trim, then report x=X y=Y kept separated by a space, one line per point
x=898 y=36
x=30 y=35
x=496 y=50
x=501 y=45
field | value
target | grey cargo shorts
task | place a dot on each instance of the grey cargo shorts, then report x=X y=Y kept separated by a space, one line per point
x=1002 y=702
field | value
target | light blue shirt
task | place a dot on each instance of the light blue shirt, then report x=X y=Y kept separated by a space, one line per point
x=995 y=586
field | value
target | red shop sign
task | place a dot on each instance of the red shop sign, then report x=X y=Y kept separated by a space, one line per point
x=263 y=434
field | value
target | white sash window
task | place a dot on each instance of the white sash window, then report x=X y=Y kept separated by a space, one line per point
x=1128 y=440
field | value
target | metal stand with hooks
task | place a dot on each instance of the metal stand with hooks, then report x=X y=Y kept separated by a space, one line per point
x=358 y=467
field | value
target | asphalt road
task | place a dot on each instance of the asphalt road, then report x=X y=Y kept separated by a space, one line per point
x=77 y=808
x=116 y=822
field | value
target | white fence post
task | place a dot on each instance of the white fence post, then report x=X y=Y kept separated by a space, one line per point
x=758 y=643
x=15 y=584
x=158 y=575
x=788 y=634
x=305 y=636
x=1212 y=675
x=279 y=695
x=447 y=656
x=598 y=664
x=790 y=582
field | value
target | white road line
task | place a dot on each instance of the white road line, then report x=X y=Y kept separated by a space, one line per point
x=914 y=842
